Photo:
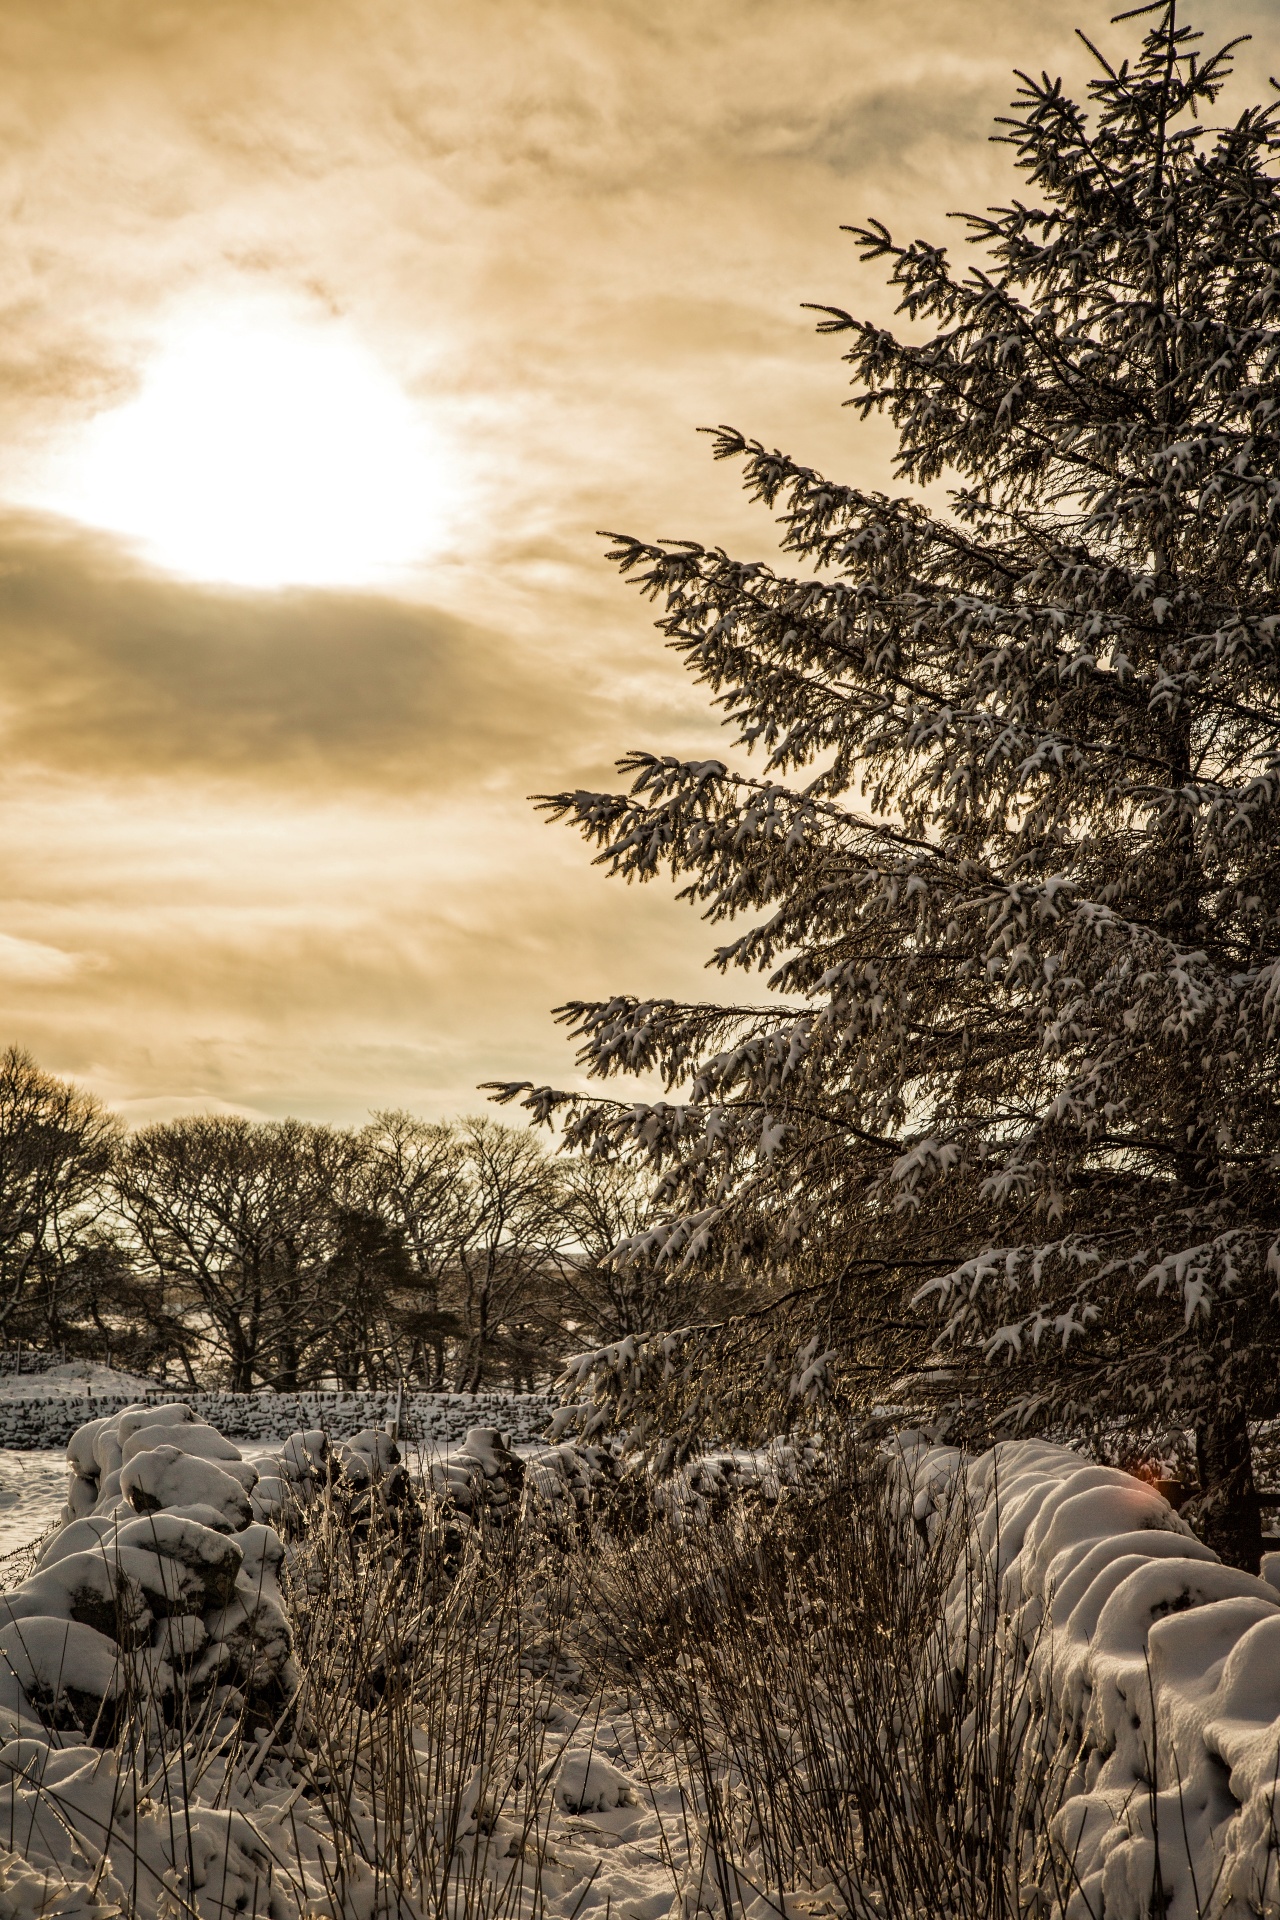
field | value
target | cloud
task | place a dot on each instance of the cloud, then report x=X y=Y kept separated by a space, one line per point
x=270 y=851
x=107 y=667
x=905 y=125
x=280 y=954
x=31 y=962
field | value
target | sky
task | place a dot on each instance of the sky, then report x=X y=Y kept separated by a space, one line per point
x=333 y=331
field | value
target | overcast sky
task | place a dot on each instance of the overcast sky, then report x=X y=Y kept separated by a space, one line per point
x=282 y=656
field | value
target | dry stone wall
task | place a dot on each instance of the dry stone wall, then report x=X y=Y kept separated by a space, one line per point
x=440 y=1418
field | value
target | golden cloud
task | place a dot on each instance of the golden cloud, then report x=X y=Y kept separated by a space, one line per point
x=111 y=668
x=271 y=850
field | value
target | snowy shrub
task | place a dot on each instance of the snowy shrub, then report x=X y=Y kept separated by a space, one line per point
x=794 y=1655
x=585 y=1782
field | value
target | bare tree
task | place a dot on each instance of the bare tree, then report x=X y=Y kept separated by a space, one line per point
x=238 y=1218
x=506 y=1247
x=56 y=1147
x=415 y=1178
x=605 y=1203
x=93 y=1298
x=288 y=1253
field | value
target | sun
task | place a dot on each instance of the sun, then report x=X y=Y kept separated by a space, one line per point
x=263 y=450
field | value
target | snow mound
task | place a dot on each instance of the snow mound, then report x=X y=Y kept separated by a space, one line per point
x=364 y=1476
x=168 y=1476
x=159 y=1589
x=62 y=1809
x=65 y=1673
x=585 y=1782
x=28 y=1891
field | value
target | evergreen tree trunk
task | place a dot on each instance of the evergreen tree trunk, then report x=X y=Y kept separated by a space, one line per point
x=1225 y=1512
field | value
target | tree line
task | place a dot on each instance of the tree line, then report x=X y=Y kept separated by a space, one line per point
x=445 y=1254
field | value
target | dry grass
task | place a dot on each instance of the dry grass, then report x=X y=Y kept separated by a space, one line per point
x=405 y=1777
x=836 y=1739
x=430 y=1673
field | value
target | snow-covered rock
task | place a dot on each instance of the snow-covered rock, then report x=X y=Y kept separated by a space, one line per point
x=60 y=1672
x=166 y=1476
x=482 y=1477
x=363 y=1474
x=93 y=1587
x=210 y=1556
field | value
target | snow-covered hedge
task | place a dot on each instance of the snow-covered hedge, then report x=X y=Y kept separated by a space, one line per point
x=437 y=1417
x=1152 y=1672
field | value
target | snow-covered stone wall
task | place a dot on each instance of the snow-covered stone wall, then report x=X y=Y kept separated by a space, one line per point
x=1151 y=1670
x=159 y=1750
x=156 y=1600
x=439 y=1418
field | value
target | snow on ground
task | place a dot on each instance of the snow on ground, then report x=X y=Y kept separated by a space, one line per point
x=33 y=1487
x=1150 y=1669
x=1137 y=1652
x=75 y=1380
x=619 y=1837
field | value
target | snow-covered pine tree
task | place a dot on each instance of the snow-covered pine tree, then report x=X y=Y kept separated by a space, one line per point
x=1011 y=1116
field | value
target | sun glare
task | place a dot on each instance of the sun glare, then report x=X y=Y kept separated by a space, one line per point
x=263 y=452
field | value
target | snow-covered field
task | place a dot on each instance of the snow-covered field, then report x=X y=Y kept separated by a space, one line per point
x=33 y=1487
x=73 y=1380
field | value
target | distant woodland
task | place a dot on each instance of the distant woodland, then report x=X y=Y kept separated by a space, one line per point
x=214 y=1249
